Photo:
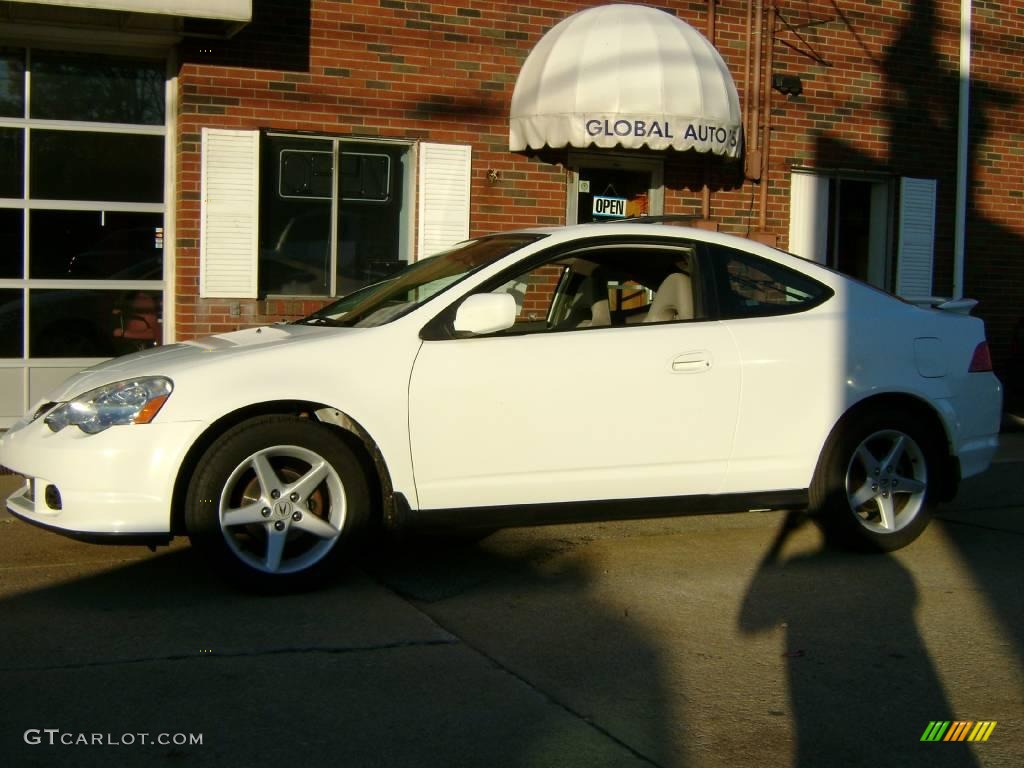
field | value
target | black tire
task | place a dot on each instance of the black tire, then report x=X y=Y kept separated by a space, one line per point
x=875 y=480
x=274 y=503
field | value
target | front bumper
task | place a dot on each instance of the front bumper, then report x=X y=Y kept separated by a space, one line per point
x=115 y=485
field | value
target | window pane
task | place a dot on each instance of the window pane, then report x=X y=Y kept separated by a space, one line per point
x=68 y=86
x=365 y=177
x=295 y=216
x=419 y=282
x=94 y=244
x=305 y=174
x=72 y=165
x=12 y=222
x=371 y=214
x=612 y=286
x=534 y=293
x=11 y=322
x=749 y=286
x=12 y=82
x=88 y=323
x=12 y=162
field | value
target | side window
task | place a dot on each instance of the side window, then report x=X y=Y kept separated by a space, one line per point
x=606 y=286
x=629 y=301
x=750 y=286
x=535 y=293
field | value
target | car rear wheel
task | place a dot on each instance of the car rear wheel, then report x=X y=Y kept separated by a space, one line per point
x=274 y=502
x=874 y=483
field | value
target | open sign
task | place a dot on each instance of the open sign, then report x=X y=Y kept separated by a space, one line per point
x=609 y=206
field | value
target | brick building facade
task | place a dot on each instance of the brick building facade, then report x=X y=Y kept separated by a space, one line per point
x=871 y=102
x=880 y=84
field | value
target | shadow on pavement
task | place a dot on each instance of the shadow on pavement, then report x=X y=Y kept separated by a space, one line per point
x=531 y=608
x=350 y=675
x=862 y=684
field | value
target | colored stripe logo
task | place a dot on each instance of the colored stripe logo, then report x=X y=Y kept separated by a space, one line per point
x=958 y=730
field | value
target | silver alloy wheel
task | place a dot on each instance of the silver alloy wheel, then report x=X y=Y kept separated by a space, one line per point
x=886 y=481
x=282 y=509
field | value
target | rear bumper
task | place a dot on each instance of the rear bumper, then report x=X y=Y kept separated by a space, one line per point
x=976 y=455
x=973 y=417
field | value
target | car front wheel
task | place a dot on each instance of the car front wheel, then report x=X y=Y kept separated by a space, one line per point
x=274 y=501
x=874 y=483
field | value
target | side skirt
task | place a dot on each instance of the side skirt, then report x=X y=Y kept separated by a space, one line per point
x=595 y=511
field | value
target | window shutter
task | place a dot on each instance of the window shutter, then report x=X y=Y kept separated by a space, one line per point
x=917 y=237
x=808 y=216
x=229 y=214
x=444 y=175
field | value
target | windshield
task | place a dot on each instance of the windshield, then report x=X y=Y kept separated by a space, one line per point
x=389 y=299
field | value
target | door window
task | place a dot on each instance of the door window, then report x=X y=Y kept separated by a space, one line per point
x=604 y=287
x=605 y=194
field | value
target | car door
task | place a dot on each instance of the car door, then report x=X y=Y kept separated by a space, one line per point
x=565 y=408
x=793 y=344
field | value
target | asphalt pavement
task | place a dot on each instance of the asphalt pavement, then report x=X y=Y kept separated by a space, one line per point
x=707 y=641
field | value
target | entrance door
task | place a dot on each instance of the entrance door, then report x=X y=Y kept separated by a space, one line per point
x=844 y=223
x=858 y=234
x=606 y=193
x=605 y=188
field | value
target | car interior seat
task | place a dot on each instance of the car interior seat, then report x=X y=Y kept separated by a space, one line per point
x=595 y=294
x=673 y=300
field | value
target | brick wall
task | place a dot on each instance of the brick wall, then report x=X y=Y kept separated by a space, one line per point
x=367 y=68
x=880 y=96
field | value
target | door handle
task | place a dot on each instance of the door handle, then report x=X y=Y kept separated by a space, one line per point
x=692 y=362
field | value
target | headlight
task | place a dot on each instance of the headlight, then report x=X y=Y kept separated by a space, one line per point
x=135 y=401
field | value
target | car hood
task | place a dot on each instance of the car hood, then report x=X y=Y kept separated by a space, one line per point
x=175 y=358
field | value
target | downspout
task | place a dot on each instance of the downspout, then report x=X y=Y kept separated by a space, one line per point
x=962 y=150
x=767 y=121
x=706 y=198
x=755 y=90
x=745 y=112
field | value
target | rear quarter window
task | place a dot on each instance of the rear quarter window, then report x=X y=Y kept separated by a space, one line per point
x=752 y=286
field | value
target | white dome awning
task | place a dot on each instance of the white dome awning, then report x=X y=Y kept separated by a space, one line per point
x=625 y=76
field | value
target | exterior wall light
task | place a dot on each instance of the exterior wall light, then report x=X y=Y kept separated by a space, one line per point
x=790 y=85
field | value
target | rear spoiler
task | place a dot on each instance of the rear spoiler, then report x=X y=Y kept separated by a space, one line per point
x=958 y=306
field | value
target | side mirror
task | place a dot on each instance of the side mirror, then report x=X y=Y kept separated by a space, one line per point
x=486 y=313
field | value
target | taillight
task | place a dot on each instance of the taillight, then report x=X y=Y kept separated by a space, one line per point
x=982 y=359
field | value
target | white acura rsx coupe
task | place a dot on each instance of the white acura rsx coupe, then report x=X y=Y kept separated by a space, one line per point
x=599 y=371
